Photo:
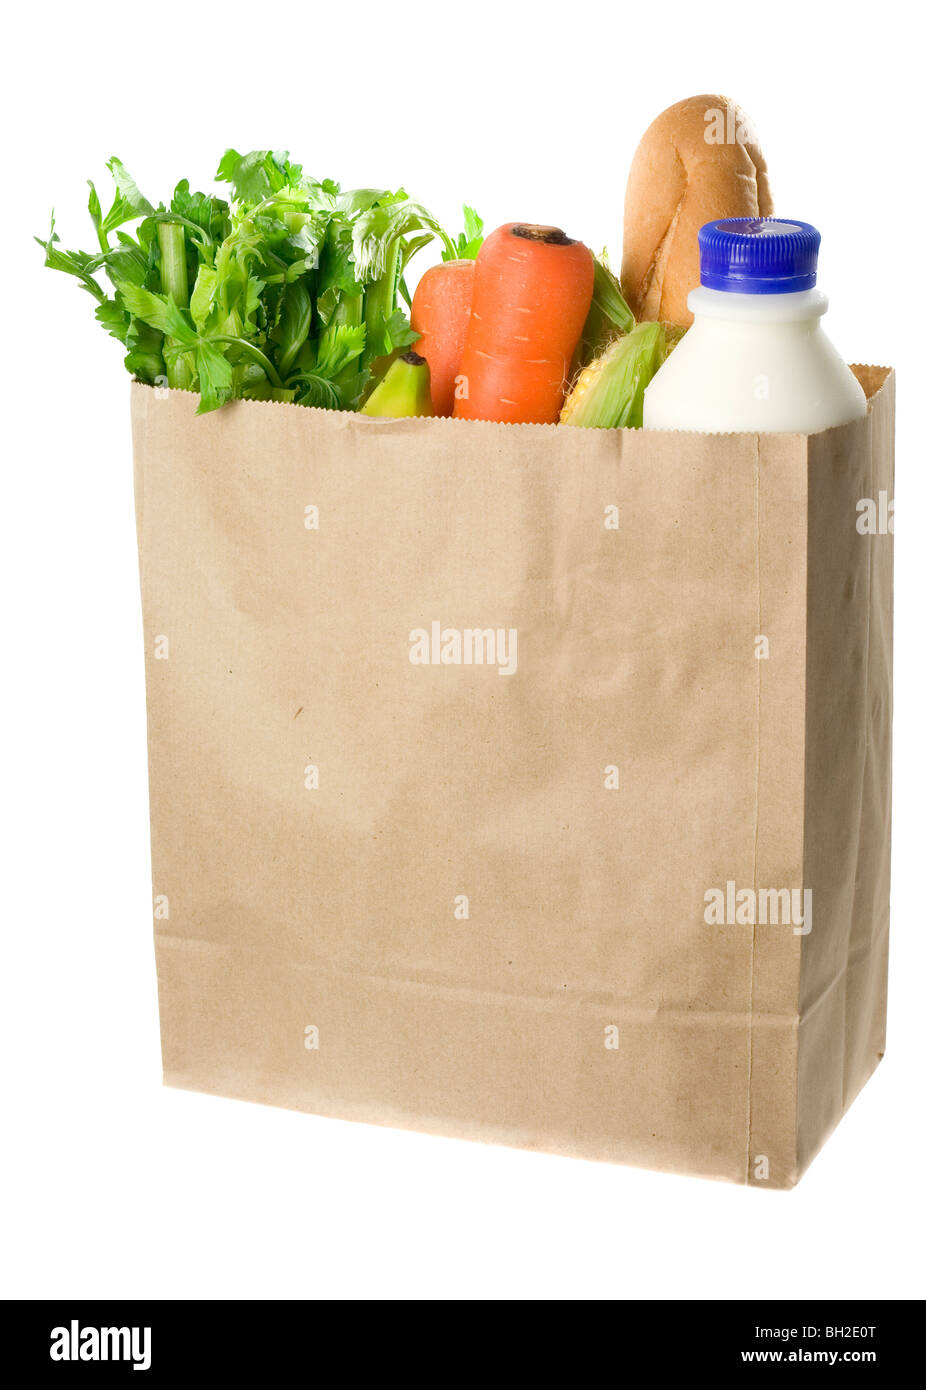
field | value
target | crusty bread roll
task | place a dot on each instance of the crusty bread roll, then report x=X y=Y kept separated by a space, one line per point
x=698 y=161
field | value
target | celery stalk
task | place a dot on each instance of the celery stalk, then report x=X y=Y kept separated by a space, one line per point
x=379 y=301
x=349 y=312
x=172 y=245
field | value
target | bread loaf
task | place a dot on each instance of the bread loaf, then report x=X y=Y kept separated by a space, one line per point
x=698 y=161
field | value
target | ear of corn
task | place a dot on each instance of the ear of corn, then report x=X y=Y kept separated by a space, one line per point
x=608 y=393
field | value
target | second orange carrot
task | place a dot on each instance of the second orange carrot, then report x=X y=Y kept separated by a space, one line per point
x=531 y=296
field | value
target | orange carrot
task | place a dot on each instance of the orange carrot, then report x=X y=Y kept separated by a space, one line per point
x=531 y=296
x=440 y=313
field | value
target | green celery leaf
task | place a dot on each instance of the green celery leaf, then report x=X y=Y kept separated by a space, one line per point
x=335 y=264
x=398 y=196
x=77 y=263
x=159 y=311
x=373 y=232
x=215 y=377
x=211 y=214
x=292 y=272
x=326 y=304
x=399 y=332
x=94 y=209
x=339 y=345
x=127 y=187
x=202 y=296
x=127 y=262
x=294 y=324
x=360 y=200
x=113 y=318
x=470 y=239
x=228 y=166
x=313 y=390
x=292 y=173
x=353 y=397
x=473 y=225
x=129 y=202
x=252 y=299
x=252 y=176
x=388 y=335
x=144 y=359
x=306 y=234
x=255 y=176
x=412 y=245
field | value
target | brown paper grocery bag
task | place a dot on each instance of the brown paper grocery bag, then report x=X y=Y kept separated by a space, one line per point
x=525 y=784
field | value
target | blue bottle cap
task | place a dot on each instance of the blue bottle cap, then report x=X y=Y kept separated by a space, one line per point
x=759 y=255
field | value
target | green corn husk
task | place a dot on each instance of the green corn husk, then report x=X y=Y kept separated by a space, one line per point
x=608 y=393
x=609 y=313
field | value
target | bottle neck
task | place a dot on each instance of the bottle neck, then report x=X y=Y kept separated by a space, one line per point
x=803 y=306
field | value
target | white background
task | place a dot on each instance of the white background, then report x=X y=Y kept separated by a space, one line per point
x=116 y=1186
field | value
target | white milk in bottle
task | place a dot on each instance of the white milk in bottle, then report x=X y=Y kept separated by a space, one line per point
x=756 y=358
